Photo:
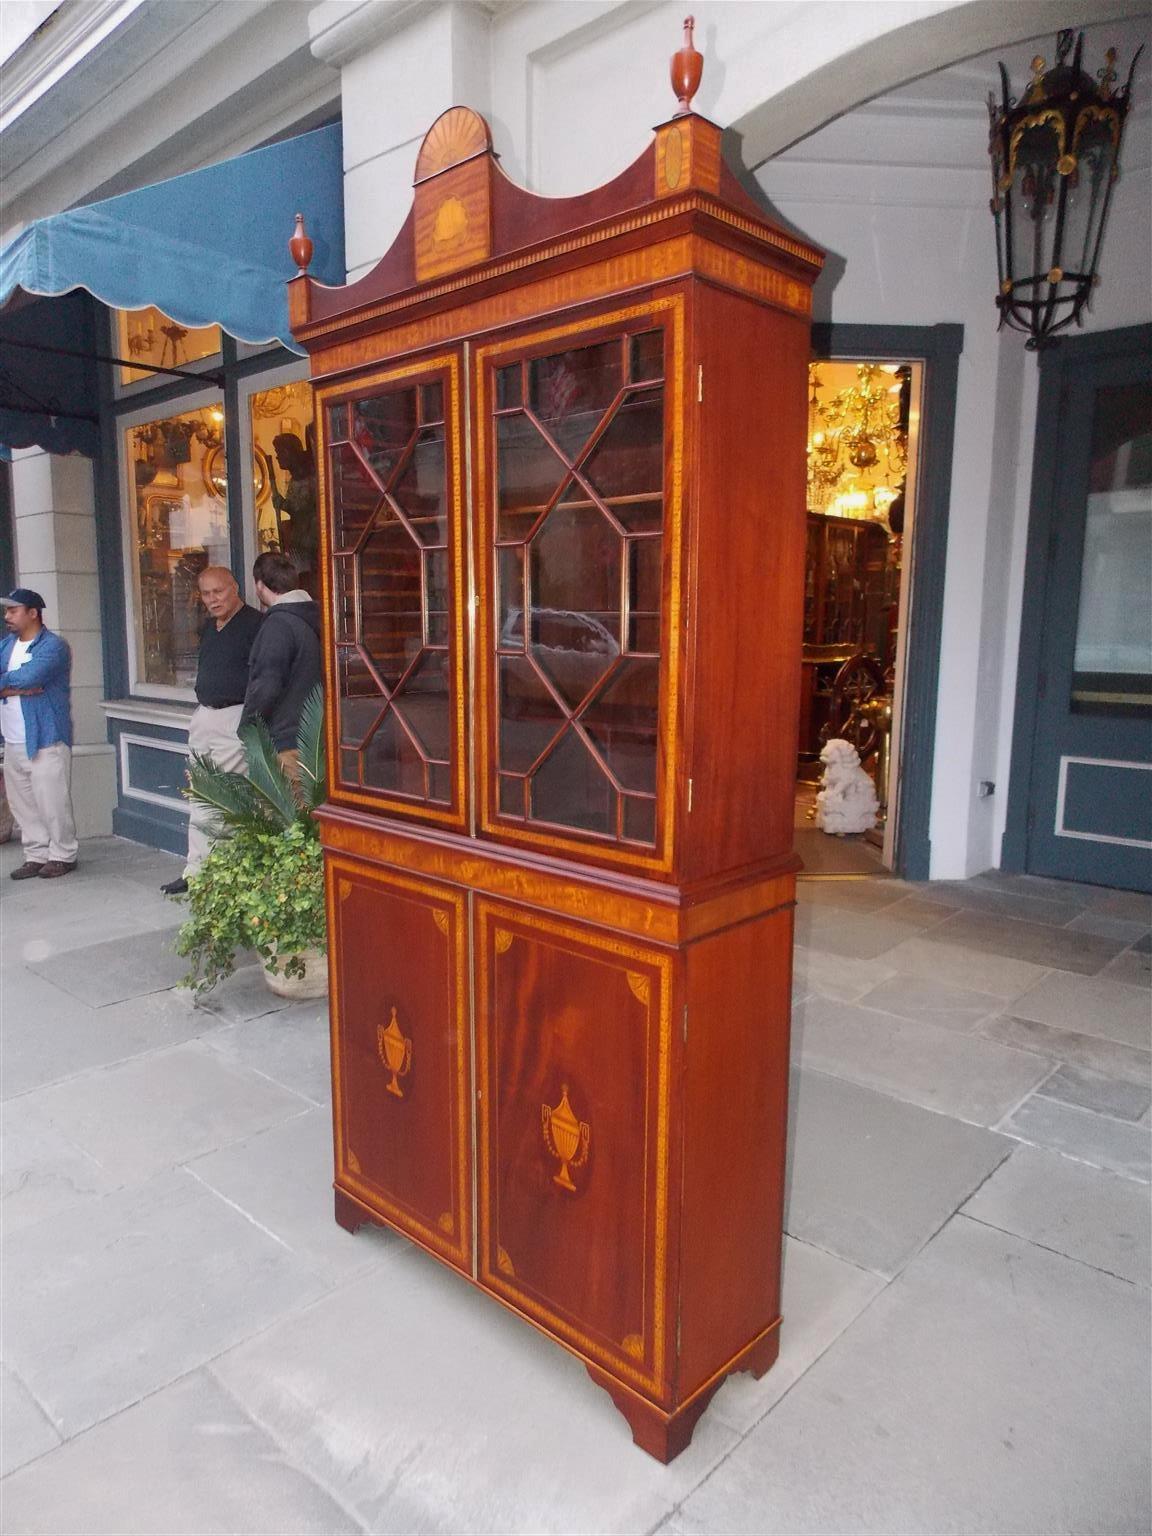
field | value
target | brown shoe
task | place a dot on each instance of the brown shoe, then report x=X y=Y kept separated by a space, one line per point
x=27 y=871
x=54 y=869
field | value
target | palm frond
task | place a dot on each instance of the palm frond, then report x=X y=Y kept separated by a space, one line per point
x=265 y=774
x=310 y=743
x=230 y=795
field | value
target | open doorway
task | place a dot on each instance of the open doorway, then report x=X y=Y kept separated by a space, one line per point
x=864 y=440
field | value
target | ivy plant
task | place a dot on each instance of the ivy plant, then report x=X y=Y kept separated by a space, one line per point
x=262 y=885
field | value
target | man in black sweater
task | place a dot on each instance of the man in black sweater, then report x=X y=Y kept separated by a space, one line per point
x=285 y=663
x=221 y=682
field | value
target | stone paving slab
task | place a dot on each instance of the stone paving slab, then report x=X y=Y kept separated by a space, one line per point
x=133 y=1291
x=291 y=1046
x=157 y=1111
x=121 y=968
x=282 y=1179
x=25 y=1429
x=433 y=1409
x=1082 y=1212
x=50 y=1036
x=188 y=1459
x=1089 y=1138
x=994 y=1387
x=965 y=1076
x=871 y=1179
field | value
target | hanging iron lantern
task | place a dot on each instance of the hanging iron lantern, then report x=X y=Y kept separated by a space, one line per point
x=1055 y=155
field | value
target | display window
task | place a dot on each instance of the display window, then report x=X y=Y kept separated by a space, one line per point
x=177 y=525
x=149 y=336
x=281 y=437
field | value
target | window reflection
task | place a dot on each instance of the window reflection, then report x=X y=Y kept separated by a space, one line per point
x=284 y=476
x=181 y=526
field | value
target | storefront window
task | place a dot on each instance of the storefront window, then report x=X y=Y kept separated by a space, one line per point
x=175 y=465
x=147 y=336
x=284 y=461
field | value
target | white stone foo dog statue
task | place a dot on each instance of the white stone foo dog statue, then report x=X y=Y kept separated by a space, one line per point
x=847 y=800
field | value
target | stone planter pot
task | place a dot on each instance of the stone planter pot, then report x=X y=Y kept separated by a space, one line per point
x=313 y=983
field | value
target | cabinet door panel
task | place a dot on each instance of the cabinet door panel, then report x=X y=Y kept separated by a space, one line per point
x=394 y=561
x=573 y=1043
x=400 y=1052
x=579 y=475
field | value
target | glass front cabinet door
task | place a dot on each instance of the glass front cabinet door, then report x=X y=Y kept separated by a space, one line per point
x=562 y=448
x=578 y=554
x=396 y=547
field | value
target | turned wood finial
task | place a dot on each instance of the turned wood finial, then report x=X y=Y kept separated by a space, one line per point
x=300 y=247
x=687 y=68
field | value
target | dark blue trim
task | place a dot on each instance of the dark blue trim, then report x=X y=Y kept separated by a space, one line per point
x=939 y=348
x=141 y=820
x=1056 y=364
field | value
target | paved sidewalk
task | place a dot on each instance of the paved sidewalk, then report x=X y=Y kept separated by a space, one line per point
x=191 y=1344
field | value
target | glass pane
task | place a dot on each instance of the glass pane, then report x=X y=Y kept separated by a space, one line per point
x=629 y=458
x=392 y=762
x=436 y=595
x=1114 y=628
x=639 y=819
x=440 y=782
x=284 y=476
x=147 y=336
x=382 y=428
x=423 y=702
x=360 y=698
x=644 y=572
x=421 y=490
x=571 y=391
x=647 y=357
x=391 y=612
x=571 y=789
x=355 y=496
x=180 y=526
x=529 y=715
x=511 y=793
x=337 y=423
x=510 y=600
x=622 y=722
x=527 y=474
x=431 y=403
x=508 y=387
x=349 y=766
x=575 y=614
x=344 y=596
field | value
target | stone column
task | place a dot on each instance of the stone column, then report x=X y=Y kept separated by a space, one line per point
x=54 y=525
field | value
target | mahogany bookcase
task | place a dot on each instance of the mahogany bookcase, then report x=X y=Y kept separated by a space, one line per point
x=562 y=478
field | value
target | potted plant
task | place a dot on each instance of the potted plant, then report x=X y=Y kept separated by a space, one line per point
x=262 y=885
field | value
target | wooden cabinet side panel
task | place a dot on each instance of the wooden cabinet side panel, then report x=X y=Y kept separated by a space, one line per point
x=401 y=1096
x=734 y=1141
x=747 y=573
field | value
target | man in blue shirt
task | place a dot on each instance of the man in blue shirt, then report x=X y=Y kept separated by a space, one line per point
x=36 y=724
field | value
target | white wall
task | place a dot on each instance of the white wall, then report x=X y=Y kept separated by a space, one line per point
x=897 y=192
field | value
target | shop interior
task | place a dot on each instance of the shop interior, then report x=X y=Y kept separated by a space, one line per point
x=863 y=434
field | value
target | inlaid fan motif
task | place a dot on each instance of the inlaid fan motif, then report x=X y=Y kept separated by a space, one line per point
x=456 y=135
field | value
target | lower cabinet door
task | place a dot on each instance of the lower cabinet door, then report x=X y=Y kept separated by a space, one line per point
x=573 y=1038
x=401 y=1094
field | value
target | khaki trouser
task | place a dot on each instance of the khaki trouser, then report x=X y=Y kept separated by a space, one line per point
x=39 y=790
x=212 y=733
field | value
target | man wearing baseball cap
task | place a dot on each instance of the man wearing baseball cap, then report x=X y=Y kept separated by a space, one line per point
x=36 y=724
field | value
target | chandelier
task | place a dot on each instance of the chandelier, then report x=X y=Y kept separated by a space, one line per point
x=1055 y=156
x=858 y=435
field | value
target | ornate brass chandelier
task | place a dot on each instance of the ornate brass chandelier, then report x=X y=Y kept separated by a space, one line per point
x=860 y=434
x=1055 y=156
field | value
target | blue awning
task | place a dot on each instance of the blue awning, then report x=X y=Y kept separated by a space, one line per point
x=208 y=248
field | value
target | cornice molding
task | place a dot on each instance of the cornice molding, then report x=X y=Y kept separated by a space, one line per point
x=340 y=30
x=54 y=49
